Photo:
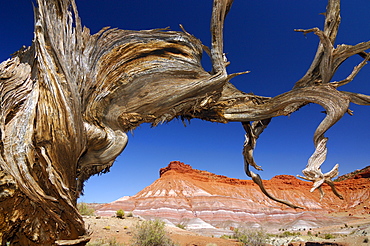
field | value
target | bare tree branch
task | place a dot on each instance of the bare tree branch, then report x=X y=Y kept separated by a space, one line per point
x=353 y=74
x=252 y=133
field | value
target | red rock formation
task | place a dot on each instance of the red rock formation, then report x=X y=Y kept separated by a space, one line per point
x=182 y=194
x=363 y=173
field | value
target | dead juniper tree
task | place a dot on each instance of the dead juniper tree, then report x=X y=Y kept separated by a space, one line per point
x=68 y=100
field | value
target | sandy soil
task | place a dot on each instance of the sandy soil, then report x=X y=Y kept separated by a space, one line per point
x=110 y=229
x=355 y=232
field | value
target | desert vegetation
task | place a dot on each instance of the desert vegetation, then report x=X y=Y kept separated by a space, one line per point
x=181 y=226
x=144 y=233
x=85 y=209
x=151 y=233
x=110 y=242
x=120 y=214
x=249 y=236
x=114 y=231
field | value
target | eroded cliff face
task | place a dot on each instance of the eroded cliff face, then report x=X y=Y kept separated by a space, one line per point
x=183 y=194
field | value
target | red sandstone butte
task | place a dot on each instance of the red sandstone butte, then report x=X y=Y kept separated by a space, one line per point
x=203 y=199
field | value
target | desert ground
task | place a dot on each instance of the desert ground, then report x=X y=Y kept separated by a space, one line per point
x=118 y=231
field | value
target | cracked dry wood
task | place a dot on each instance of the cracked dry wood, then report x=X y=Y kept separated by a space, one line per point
x=68 y=100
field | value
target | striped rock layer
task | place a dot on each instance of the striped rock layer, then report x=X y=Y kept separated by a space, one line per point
x=183 y=194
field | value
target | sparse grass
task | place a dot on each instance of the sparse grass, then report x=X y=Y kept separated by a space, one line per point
x=120 y=214
x=85 y=209
x=250 y=237
x=101 y=242
x=291 y=234
x=287 y=234
x=211 y=244
x=226 y=236
x=181 y=225
x=151 y=233
x=329 y=236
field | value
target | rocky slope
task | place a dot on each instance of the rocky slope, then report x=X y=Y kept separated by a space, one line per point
x=362 y=173
x=203 y=200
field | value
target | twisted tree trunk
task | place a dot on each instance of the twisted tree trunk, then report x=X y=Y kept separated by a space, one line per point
x=67 y=101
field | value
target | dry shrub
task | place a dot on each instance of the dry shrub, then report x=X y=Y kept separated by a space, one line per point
x=250 y=237
x=151 y=233
x=120 y=214
x=85 y=209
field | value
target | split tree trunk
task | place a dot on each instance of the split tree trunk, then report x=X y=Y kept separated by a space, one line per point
x=67 y=101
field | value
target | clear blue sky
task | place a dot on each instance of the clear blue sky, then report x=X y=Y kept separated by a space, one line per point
x=259 y=37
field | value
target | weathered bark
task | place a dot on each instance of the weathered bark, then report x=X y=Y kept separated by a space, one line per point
x=67 y=101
